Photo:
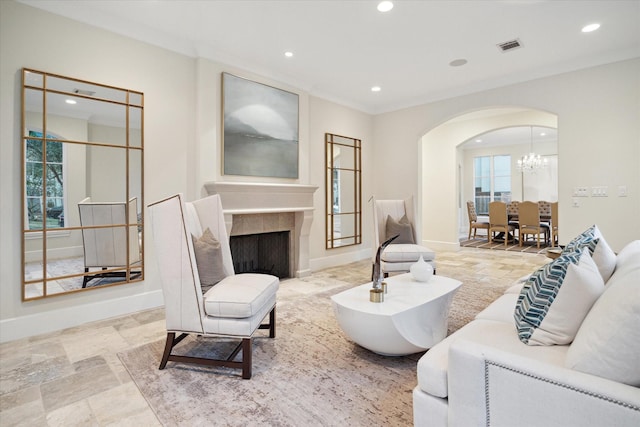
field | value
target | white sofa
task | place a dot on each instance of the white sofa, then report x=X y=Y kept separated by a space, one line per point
x=484 y=375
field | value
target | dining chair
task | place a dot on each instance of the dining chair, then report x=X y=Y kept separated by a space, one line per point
x=544 y=208
x=474 y=224
x=499 y=221
x=554 y=224
x=529 y=218
x=512 y=213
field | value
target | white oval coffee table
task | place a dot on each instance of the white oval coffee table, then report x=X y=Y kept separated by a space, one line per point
x=412 y=318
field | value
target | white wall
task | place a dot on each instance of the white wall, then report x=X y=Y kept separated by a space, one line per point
x=326 y=116
x=599 y=144
x=35 y=39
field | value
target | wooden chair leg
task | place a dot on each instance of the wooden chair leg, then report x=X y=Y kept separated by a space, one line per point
x=272 y=323
x=246 y=358
x=167 y=350
x=171 y=342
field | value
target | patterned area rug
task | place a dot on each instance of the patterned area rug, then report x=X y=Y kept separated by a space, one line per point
x=311 y=374
x=528 y=247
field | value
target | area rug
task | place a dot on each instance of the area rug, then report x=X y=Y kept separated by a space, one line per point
x=528 y=247
x=311 y=374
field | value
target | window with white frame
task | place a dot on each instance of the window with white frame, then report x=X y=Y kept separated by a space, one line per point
x=492 y=181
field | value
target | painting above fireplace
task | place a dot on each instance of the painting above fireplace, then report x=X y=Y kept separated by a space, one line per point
x=260 y=129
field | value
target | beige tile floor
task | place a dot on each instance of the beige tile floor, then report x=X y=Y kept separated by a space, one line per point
x=75 y=378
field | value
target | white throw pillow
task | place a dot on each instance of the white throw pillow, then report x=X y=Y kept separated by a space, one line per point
x=608 y=341
x=556 y=299
x=601 y=252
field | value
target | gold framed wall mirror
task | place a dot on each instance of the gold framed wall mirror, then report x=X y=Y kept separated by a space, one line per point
x=343 y=191
x=82 y=185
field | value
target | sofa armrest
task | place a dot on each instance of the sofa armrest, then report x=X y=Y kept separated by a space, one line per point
x=488 y=386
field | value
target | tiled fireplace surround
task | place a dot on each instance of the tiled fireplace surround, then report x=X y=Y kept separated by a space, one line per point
x=251 y=208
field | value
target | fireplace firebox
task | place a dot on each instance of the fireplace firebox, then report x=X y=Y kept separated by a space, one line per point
x=261 y=253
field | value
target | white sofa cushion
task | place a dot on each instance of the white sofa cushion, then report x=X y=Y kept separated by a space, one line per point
x=600 y=251
x=434 y=364
x=406 y=253
x=608 y=341
x=516 y=288
x=555 y=300
x=628 y=258
x=240 y=296
x=501 y=310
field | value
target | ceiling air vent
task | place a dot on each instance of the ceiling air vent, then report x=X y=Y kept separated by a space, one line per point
x=510 y=45
x=84 y=92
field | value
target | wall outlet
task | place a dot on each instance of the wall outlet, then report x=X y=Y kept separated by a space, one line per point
x=622 y=191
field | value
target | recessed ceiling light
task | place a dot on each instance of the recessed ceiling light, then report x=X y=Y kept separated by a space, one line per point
x=376 y=89
x=288 y=54
x=458 y=62
x=478 y=140
x=70 y=101
x=385 y=6
x=591 y=27
x=543 y=134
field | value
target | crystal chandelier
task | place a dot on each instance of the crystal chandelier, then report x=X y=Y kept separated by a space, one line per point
x=532 y=161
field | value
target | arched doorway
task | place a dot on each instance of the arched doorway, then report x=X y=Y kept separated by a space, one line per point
x=442 y=166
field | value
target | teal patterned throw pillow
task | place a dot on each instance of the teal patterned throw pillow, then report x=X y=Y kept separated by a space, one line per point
x=556 y=298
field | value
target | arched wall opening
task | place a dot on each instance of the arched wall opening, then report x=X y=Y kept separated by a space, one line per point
x=441 y=167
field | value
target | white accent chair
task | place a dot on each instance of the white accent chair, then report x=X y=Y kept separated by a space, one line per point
x=234 y=307
x=398 y=257
x=106 y=248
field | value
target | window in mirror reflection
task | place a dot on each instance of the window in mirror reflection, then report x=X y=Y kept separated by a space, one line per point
x=53 y=211
x=343 y=191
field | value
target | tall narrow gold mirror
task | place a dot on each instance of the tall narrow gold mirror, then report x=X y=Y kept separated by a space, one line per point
x=343 y=188
x=82 y=185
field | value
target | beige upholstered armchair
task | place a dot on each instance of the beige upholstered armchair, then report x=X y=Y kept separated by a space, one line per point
x=105 y=248
x=191 y=244
x=391 y=217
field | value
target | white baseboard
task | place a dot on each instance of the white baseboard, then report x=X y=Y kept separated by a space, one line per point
x=441 y=246
x=341 y=259
x=54 y=320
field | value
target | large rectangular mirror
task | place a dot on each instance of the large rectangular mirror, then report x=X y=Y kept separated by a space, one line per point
x=82 y=162
x=343 y=186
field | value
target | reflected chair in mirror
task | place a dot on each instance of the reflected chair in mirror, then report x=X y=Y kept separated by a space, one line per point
x=192 y=250
x=105 y=248
x=554 y=224
x=397 y=217
x=529 y=217
x=474 y=224
x=499 y=222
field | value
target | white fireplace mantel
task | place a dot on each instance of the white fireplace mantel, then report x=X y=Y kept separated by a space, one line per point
x=250 y=198
x=243 y=198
